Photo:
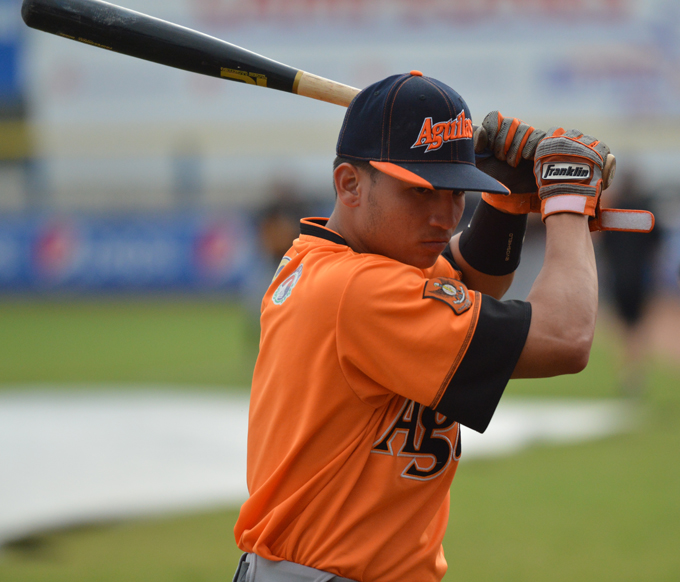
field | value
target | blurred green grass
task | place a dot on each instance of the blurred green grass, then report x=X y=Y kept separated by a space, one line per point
x=150 y=340
x=603 y=510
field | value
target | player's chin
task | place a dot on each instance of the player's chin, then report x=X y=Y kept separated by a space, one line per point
x=428 y=254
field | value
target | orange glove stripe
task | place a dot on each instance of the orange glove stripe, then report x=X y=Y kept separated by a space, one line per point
x=513 y=203
x=524 y=141
x=511 y=135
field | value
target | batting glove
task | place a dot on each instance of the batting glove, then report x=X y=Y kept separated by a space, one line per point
x=506 y=148
x=568 y=168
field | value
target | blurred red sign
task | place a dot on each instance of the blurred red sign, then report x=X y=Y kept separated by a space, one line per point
x=229 y=11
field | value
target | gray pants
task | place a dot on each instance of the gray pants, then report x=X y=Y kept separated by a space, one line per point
x=253 y=568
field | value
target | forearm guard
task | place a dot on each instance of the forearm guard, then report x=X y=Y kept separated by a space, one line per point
x=492 y=242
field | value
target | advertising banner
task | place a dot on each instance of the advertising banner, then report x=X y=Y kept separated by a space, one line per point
x=140 y=253
x=10 y=22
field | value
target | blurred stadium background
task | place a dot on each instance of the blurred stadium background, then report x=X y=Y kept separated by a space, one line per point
x=143 y=210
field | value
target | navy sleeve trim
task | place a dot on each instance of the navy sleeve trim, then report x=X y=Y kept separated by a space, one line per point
x=473 y=393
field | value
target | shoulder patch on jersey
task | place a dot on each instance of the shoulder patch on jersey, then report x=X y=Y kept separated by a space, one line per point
x=450 y=291
x=284 y=290
x=282 y=264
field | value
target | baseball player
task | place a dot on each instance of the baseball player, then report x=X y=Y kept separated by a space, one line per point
x=382 y=333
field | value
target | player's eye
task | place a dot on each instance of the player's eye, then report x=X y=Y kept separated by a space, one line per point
x=419 y=190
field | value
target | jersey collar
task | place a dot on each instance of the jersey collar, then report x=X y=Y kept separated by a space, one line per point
x=317 y=227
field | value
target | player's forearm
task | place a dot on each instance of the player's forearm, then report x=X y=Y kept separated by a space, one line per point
x=564 y=302
x=496 y=286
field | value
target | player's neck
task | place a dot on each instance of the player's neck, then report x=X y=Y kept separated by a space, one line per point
x=337 y=224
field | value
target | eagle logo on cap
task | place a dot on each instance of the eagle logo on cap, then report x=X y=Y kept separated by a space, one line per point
x=434 y=136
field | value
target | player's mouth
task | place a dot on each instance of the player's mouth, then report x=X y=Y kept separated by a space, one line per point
x=436 y=246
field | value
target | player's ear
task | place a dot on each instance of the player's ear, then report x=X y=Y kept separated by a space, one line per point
x=347 y=180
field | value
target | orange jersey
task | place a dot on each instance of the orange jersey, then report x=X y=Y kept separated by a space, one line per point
x=366 y=368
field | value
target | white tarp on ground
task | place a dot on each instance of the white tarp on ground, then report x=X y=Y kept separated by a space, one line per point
x=70 y=457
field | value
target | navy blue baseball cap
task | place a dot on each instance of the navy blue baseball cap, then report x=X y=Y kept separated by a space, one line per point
x=418 y=130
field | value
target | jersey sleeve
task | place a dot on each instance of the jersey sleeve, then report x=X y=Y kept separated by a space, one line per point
x=478 y=383
x=428 y=339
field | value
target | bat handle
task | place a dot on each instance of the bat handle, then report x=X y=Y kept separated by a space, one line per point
x=481 y=140
x=309 y=85
x=608 y=171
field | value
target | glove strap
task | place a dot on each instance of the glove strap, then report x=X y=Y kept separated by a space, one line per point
x=622 y=220
x=568 y=203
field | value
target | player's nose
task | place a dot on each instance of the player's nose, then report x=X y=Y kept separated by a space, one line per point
x=443 y=211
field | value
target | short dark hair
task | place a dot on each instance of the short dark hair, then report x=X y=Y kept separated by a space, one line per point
x=361 y=164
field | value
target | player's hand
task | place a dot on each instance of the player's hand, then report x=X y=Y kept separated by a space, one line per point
x=510 y=139
x=568 y=167
x=505 y=148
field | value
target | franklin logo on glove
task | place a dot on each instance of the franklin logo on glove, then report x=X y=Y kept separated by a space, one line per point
x=565 y=171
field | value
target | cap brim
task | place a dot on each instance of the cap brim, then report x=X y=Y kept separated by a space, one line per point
x=442 y=176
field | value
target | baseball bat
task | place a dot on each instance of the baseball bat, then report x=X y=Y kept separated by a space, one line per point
x=138 y=35
x=125 y=31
